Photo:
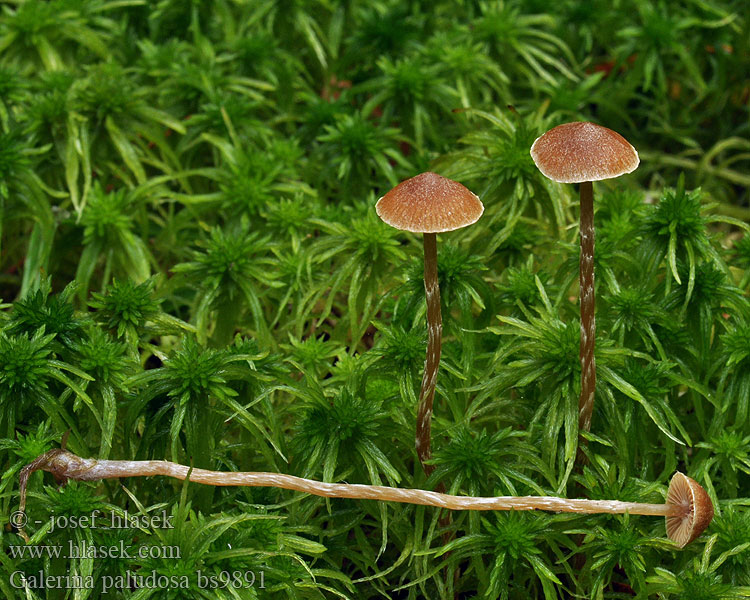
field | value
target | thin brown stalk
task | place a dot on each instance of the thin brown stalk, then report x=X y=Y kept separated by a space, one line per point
x=432 y=361
x=588 y=308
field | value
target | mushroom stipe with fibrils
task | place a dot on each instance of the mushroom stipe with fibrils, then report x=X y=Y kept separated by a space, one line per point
x=429 y=204
x=582 y=152
x=688 y=509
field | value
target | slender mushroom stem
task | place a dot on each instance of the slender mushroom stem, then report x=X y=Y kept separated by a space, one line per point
x=588 y=308
x=432 y=361
x=688 y=508
x=66 y=465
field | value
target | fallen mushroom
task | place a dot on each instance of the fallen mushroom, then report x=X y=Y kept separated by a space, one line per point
x=583 y=152
x=688 y=509
x=429 y=204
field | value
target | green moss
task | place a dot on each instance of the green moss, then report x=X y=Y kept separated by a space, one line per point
x=192 y=269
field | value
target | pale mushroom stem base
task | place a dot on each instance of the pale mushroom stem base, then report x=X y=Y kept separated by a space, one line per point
x=65 y=465
x=432 y=361
x=688 y=509
x=588 y=308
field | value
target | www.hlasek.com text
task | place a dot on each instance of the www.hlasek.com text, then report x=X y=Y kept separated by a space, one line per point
x=82 y=549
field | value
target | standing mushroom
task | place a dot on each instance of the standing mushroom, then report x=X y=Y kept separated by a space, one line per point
x=583 y=152
x=429 y=204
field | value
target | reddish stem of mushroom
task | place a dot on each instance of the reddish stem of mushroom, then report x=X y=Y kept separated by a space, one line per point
x=588 y=308
x=432 y=361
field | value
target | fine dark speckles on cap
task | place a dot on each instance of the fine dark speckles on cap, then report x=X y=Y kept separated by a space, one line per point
x=429 y=203
x=581 y=151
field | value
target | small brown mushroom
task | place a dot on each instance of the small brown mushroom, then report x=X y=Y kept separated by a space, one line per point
x=697 y=509
x=430 y=204
x=688 y=509
x=583 y=152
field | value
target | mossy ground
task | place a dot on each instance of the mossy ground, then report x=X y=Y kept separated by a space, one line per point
x=193 y=270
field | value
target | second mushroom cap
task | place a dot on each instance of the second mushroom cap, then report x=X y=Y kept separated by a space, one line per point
x=429 y=203
x=581 y=151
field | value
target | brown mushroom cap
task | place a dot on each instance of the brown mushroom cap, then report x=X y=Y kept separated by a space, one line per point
x=429 y=203
x=698 y=511
x=581 y=151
